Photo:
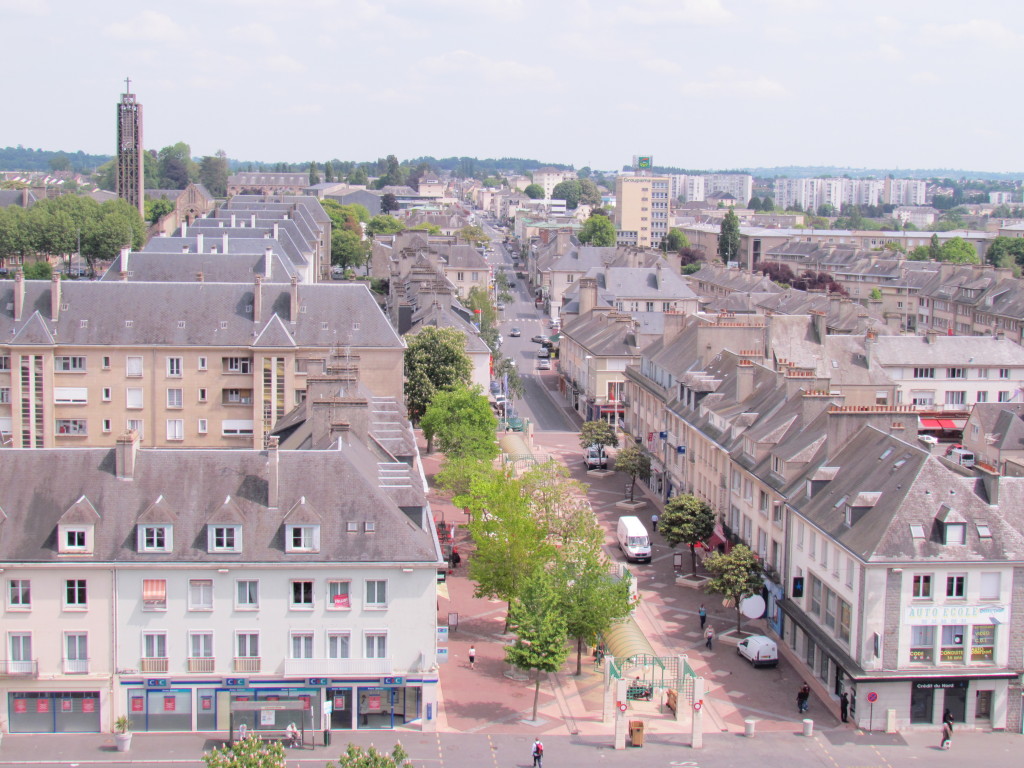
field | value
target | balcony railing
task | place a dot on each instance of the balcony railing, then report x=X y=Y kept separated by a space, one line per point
x=9 y=668
x=76 y=666
x=314 y=667
x=153 y=664
x=201 y=664
x=247 y=664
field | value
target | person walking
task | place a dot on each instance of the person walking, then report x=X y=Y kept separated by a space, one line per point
x=472 y=657
x=947 y=718
x=703 y=613
x=709 y=638
x=654 y=521
x=803 y=698
x=844 y=706
x=947 y=735
x=538 y=754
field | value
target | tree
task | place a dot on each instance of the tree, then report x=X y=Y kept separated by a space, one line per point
x=1005 y=252
x=358 y=757
x=598 y=432
x=736 y=575
x=534 y=191
x=767 y=205
x=674 y=241
x=598 y=230
x=358 y=178
x=729 y=238
x=474 y=235
x=540 y=630
x=329 y=171
x=755 y=203
x=876 y=294
x=388 y=203
x=935 y=248
x=635 y=462
x=589 y=193
x=569 y=191
x=956 y=250
x=349 y=250
x=556 y=499
x=687 y=520
x=505 y=371
x=393 y=174
x=584 y=172
x=384 y=224
x=38 y=270
x=430 y=229
x=462 y=421
x=250 y=752
x=156 y=209
x=213 y=173
x=176 y=166
x=435 y=359
x=314 y=174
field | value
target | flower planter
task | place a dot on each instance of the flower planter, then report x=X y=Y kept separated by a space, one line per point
x=124 y=741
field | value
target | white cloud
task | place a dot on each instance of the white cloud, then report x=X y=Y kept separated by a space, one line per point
x=149 y=26
x=662 y=12
x=732 y=83
x=27 y=7
x=888 y=52
x=986 y=31
x=469 y=64
x=663 y=66
x=888 y=23
x=254 y=32
x=283 y=63
x=925 y=78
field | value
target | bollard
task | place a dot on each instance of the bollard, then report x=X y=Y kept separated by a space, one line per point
x=748 y=728
x=808 y=727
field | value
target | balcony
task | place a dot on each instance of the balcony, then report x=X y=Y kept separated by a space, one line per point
x=76 y=666
x=153 y=664
x=9 y=668
x=201 y=664
x=317 y=667
x=247 y=664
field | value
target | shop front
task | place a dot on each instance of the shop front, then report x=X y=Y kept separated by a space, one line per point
x=53 y=711
x=376 y=705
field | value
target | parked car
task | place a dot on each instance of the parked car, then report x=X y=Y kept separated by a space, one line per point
x=515 y=423
x=595 y=457
x=501 y=307
x=515 y=333
x=759 y=650
x=961 y=456
x=495 y=387
x=543 y=352
x=544 y=365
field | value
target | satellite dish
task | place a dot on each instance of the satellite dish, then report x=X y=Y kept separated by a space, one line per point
x=752 y=607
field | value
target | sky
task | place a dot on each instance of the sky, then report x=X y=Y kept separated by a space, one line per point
x=701 y=84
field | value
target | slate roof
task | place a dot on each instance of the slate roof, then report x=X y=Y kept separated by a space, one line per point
x=946 y=350
x=161 y=267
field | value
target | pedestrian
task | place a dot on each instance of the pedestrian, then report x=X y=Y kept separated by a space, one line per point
x=947 y=735
x=844 y=706
x=803 y=697
x=703 y=613
x=456 y=558
x=947 y=718
x=654 y=521
x=472 y=657
x=709 y=637
x=538 y=754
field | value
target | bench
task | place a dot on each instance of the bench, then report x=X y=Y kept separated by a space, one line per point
x=273 y=735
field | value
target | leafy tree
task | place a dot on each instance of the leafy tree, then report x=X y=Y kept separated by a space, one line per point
x=687 y=520
x=729 y=238
x=505 y=370
x=689 y=269
x=598 y=432
x=935 y=248
x=474 y=235
x=540 y=630
x=384 y=224
x=589 y=193
x=876 y=294
x=156 y=209
x=462 y=421
x=117 y=226
x=394 y=175
x=314 y=174
x=597 y=230
x=956 y=250
x=358 y=178
x=569 y=191
x=1005 y=251
x=435 y=360
x=737 y=575
x=349 y=250
x=38 y=270
x=457 y=474
x=213 y=173
x=584 y=172
x=674 y=241
x=479 y=302
x=430 y=229
x=358 y=757
x=534 y=191
x=250 y=752
x=328 y=171
x=556 y=499
x=767 y=205
x=635 y=462
x=176 y=166
x=755 y=203
x=388 y=203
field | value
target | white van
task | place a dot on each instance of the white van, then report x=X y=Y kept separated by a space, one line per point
x=633 y=539
x=759 y=650
x=961 y=456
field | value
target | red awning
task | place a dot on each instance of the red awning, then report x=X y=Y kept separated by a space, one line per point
x=931 y=424
x=154 y=590
x=947 y=423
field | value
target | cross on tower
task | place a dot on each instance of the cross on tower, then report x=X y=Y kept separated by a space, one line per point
x=127 y=85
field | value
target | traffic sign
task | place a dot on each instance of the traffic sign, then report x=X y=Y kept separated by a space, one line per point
x=697 y=705
x=872 y=697
x=622 y=707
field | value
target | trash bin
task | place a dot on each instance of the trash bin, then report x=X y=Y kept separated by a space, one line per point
x=636 y=733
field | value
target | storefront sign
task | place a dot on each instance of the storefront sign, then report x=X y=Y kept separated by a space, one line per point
x=206 y=703
x=392 y=681
x=235 y=682
x=42 y=705
x=935 y=615
x=137 y=705
x=169 y=703
x=924 y=685
x=65 y=705
x=442 y=634
x=373 y=701
x=156 y=682
x=88 y=705
x=21 y=706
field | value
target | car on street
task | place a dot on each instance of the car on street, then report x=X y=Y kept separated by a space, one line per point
x=594 y=457
x=538 y=339
x=495 y=387
x=759 y=650
x=515 y=423
x=544 y=365
x=543 y=352
x=501 y=307
x=515 y=333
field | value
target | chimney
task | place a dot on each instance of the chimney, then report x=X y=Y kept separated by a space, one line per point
x=273 y=472
x=820 y=325
x=124 y=258
x=232 y=221
x=587 y=295
x=124 y=454
x=184 y=229
x=295 y=300
x=990 y=480
x=869 y=347
x=124 y=276
x=674 y=323
x=184 y=247
x=19 y=294
x=257 y=300
x=199 y=243
x=268 y=260
x=657 y=275
x=54 y=297
x=252 y=220
x=275 y=231
x=744 y=380
x=200 y=277
x=24 y=197
x=224 y=242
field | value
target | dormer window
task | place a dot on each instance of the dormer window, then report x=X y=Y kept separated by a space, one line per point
x=224 y=538
x=155 y=538
x=303 y=538
x=954 y=533
x=76 y=539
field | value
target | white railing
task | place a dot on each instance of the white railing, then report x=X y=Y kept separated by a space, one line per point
x=315 y=667
x=153 y=665
x=247 y=664
x=201 y=664
x=76 y=666
x=10 y=668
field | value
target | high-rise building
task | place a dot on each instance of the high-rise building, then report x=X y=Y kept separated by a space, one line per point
x=129 y=150
x=641 y=210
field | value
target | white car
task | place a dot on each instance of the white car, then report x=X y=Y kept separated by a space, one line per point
x=544 y=365
x=759 y=650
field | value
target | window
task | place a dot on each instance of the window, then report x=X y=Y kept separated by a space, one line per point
x=175 y=429
x=202 y=394
x=71 y=427
x=952 y=647
x=106 y=362
x=76 y=652
x=956 y=373
x=70 y=395
x=247 y=595
x=800 y=535
x=956 y=397
x=133 y=398
x=202 y=363
x=983 y=642
x=237 y=365
x=202 y=426
x=1004 y=373
x=74 y=593
x=174 y=367
x=154 y=538
x=338 y=645
x=154 y=594
x=69 y=364
x=5 y=395
x=107 y=395
x=154 y=645
x=815 y=595
x=137 y=425
x=955 y=533
x=762 y=502
x=376 y=594
x=338 y=595
x=75 y=539
x=302 y=594
x=302 y=645
x=830 y=609
x=236 y=427
x=133 y=366
x=922 y=645
x=247 y=644
x=1004 y=396
x=174 y=398
x=982 y=398
x=376 y=645
x=814 y=545
x=824 y=554
x=21 y=651
x=200 y=594
x=922 y=586
x=845 y=614
x=956 y=586
x=924 y=373
x=850 y=570
x=225 y=538
x=19 y=594
x=200 y=645
x=303 y=538
x=991 y=584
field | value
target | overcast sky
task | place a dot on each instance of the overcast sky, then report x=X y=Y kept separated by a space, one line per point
x=695 y=83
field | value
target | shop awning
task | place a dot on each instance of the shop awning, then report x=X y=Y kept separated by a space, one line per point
x=626 y=640
x=154 y=590
x=943 y=423
x=931 y=424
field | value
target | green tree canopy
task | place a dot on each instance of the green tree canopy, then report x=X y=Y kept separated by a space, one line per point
x=674 y=241
x=435 y=360
x=358 y=178
x=598 y=432
x=213 y=173
x=729 y=238
x=534 y=191
x=876 y=294
x=474 y=235
x=155 y=209
x=956 y=250
x=736 y=575
x=176 y=166
x=755 y=203
x=569 y=191
x=597 y=230
x=349 y=250
x=589 y=193
x=1005 y=252
x=688 y=520
x=635 y=462
x=462 y=421
x=37 y=270
x=388 y=203
x=383 y=224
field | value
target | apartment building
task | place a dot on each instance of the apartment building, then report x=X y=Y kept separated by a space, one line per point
x=549 y=178
x=905 y=192
x=267 y=183
x=630 y=289
x=641 y=210
x=688 y=187
x=210 y=365
x=269 y=575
